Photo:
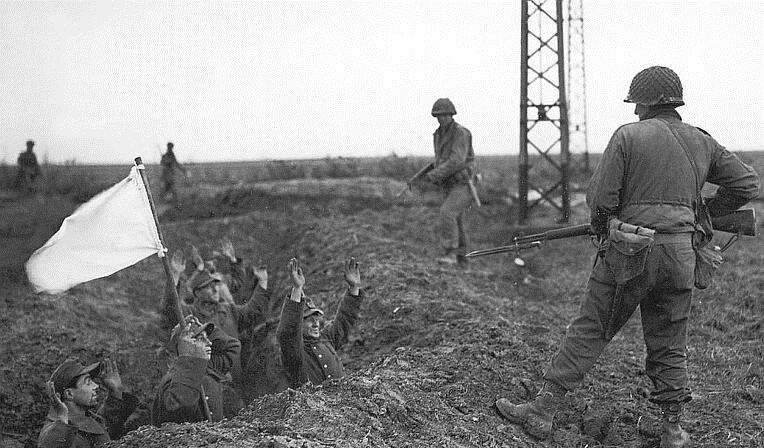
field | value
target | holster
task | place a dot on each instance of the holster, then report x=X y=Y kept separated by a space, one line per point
x=626 y=250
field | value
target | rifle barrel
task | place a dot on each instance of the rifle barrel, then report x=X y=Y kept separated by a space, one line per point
x=516 y=247
x=555 y=234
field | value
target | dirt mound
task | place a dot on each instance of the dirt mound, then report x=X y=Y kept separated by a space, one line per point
x=434 y=345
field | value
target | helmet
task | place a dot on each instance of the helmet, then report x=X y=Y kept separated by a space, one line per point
x=443 y=106
x=654 y=86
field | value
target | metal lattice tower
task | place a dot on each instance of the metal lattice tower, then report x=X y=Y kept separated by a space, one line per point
x=543 y=110
x=579 y=138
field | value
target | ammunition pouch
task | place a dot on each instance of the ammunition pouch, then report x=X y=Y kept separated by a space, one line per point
x=627 y=249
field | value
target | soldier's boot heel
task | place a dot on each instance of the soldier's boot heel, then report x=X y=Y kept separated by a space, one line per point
x=673 y=436
x=537 y=416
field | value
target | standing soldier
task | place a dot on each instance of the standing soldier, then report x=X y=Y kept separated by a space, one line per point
x=452 y=171
x=650 y=175
x=28 y=170
x=169 y=166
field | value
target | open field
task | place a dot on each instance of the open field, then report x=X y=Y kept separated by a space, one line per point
x=434 y=346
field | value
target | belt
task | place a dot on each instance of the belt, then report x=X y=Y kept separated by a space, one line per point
x=661 y=238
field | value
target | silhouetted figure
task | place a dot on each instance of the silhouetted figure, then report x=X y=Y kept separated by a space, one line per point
x=169 y=167
x=28 y=170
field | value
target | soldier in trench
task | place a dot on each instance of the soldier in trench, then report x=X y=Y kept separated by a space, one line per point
x=309 y=352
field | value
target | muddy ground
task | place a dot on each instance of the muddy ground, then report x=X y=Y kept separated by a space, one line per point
x=434 y=346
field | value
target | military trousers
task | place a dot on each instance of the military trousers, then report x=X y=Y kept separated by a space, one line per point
x=663 y=292
x=452 y=219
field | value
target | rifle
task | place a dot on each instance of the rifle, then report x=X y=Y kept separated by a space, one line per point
x=427 y=169
x=414 y=178
x=739 y=222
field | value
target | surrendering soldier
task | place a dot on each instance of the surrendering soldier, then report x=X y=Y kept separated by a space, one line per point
x=236 y=320
x=75 y=418
x=187 y=393
x=309 y=352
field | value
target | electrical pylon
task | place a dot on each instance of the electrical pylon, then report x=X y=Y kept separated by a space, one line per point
x=579 y=138
x=543 y=109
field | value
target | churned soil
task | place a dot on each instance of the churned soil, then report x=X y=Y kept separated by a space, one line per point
x=434 y=347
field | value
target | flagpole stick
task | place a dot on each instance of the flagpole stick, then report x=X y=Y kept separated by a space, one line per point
x=165 y=261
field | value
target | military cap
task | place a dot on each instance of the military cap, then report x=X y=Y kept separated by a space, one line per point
x=196 y=329
x=310 y=308
x=203 y=279
x=66 y=374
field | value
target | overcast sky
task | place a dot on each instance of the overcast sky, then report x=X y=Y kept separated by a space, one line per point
x=103 y=82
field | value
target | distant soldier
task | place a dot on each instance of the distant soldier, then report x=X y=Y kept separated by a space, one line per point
x=309 y=352
x=75 y=419
x=28 y=169
x=169 y=167
x=452 y=171
x=650 y=175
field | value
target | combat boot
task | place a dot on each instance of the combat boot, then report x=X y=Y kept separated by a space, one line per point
x=673 y=436
x=537 y=415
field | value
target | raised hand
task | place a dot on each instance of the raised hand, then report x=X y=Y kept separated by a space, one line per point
x=110 y=377
x=198 y=260
x=228 y=250
x=261 y=273
x=298 y=280
x=177 y=265
x=352 y=274
x=60 y=411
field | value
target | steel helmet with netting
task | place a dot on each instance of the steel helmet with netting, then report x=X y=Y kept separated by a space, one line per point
x=443 y=106
x=655 y=86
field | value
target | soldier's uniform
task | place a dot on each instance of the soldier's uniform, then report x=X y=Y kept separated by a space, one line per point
x=453 y=168
x=170 y=166
x=86 y=429
x=191 y=390
x=648 y=176
x=28 y=169
x=314 y=360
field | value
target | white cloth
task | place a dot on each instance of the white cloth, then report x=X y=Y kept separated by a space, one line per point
x=113 y=230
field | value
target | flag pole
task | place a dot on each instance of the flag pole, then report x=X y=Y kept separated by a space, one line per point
x=165 y=262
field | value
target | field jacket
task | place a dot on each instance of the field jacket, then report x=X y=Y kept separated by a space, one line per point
x=235 y=320
x=454 y=156
x=309 y=359
x=90 y=429
x=646 y=179
x=182 y=393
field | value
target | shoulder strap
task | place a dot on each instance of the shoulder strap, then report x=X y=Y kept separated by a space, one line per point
x=703 y=229
x=683 y=144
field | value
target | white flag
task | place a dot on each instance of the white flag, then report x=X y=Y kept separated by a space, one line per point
x=113 y=230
